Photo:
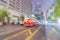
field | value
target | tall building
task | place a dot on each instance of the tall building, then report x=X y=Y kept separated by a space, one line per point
x=17 y=7
x=37 y=7
x=37 y=10
x=26 y=7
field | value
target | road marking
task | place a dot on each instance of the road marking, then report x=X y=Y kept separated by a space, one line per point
x=29 y=31
x=55 y=30
x=29 y=37
x=15 y=35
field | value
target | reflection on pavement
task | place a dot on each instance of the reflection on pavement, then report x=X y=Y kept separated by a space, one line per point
x=52 y=33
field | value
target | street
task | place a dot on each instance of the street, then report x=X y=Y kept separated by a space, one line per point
x=20 y=35
x=29 y=19
x=32 y=33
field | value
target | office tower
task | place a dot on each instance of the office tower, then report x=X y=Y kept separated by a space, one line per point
x=17 y=7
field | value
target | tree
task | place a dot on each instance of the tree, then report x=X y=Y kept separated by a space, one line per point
x=57 y=9
x=52 y=12
x=36 y=16
x=22 y=17
x=3 y=14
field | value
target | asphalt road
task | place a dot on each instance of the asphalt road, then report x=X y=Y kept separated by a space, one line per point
x=19 y=35
x=32 y=33
x=40 y=35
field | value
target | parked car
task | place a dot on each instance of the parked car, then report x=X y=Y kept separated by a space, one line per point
x=30 y=22
x=14 y=20
x=1 y=23
x=20 y=22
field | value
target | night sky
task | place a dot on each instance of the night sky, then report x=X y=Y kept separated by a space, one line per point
x=45 y=4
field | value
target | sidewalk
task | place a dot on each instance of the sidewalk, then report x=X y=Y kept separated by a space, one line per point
x=10 y=28
x=52 y=34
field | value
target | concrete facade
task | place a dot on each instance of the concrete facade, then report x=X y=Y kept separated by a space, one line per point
x=17 y=7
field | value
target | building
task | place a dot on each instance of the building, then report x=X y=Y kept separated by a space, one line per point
x=37 y=10
x=26 y=7
x=17 y=7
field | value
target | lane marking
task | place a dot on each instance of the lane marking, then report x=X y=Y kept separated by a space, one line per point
x=29 y=31
x=29 y=37
x=15 y=35
x=55 y=30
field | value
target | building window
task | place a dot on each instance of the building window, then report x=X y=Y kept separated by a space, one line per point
x=4 y=1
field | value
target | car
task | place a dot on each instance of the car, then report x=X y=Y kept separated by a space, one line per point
x=13 y=20
x=30 y=22
x=20 y=22
x=1 y=23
